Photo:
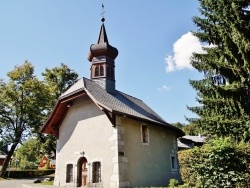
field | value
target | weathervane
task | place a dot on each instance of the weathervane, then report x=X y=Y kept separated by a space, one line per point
x=103 y=12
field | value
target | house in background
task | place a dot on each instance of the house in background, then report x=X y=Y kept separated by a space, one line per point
x=47 y=163
x=2 y=159
x=188 y=142
x=107 y=138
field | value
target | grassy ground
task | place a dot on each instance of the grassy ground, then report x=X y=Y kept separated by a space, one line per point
x=47 y=183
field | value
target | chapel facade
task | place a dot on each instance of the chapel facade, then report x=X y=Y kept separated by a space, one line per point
x=107 y=138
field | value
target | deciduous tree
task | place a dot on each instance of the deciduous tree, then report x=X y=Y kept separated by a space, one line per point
x=58 y=80
x=28 y=155
x=23 y=100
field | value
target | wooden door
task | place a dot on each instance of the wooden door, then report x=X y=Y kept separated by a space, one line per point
x=84 y=174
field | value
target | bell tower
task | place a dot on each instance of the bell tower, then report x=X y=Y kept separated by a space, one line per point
x=102 y=57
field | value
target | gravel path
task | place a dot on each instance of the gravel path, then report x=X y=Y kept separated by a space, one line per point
x=14 y=183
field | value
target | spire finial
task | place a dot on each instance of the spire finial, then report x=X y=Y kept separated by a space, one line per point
x=103 y=12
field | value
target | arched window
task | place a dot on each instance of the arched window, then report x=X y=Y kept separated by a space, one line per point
x=96 y=70
x=101 y=70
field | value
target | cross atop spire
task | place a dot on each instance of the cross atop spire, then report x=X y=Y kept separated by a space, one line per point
x=103 y=12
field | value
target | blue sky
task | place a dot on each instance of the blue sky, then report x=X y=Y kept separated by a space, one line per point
x=153 y=39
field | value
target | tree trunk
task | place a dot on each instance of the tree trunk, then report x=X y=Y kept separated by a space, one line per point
x=7 y=160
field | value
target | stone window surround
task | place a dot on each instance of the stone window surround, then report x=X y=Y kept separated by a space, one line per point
x=69 y=173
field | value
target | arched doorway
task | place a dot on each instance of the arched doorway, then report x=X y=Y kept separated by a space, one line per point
x=82 y=172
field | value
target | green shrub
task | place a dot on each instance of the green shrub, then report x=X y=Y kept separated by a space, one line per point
x=220 y=163
x=173 y=183
x=28 y=173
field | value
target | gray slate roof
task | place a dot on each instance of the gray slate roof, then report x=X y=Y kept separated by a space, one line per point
x=118 y=102
x=197 y=139
x=184 y=145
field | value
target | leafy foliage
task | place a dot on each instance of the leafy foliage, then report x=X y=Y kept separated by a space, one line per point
x=28 y=155
x=224 y=93
x=48 y=145
x=188 y=129
x=173 y=183
x=191 y=129
x=25 y=103
x=58 y=80
x=23 y=100
x=220 y=163
x=3 y=147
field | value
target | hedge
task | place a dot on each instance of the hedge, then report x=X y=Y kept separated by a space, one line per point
x=221 y=163
x=28 y=173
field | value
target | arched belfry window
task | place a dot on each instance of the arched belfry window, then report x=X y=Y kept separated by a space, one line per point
x=98 y=70
x=101 y=70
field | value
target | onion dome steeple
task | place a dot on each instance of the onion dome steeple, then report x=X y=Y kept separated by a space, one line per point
x=102 y=47
x=102 y=56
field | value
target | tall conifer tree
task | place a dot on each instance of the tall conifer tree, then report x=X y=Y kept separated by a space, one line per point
x=224 y=93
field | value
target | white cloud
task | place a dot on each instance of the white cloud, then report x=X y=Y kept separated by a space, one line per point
x=183 y=49
x=162 y=88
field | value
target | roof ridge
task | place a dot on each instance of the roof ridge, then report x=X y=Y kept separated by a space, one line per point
x=108 y=92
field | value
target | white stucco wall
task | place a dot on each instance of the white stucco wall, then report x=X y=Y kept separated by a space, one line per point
x=126 y=161
x=86 y=131
x=146 y=164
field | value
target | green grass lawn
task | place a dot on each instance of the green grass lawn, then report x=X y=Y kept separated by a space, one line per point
x=47 y=183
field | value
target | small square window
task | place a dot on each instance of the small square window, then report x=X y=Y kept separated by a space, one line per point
x=144 y=134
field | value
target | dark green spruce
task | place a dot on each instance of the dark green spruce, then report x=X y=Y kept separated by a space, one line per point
x=224 y=92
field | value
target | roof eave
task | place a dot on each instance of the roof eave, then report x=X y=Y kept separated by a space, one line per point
x=51 y=126
x=161 y=124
